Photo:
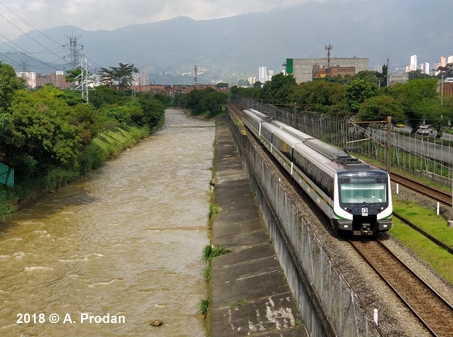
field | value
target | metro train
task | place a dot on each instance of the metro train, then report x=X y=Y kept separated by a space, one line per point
x=354 y=195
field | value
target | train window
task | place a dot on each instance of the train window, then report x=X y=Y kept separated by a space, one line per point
x=373 y=193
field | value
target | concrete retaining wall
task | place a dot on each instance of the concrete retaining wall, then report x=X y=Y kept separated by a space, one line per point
x=262 y=180
x=327 y=303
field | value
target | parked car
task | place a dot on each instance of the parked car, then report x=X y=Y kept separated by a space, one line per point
x=424 y=130
x=399 y=125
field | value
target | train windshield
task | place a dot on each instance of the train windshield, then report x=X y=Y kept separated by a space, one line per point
x=371 y=191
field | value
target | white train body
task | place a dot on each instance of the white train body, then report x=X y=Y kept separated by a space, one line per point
x=354 y=195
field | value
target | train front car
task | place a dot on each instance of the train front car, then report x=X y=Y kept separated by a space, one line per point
x=363 y=200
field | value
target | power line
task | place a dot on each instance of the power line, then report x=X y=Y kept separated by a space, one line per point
x=73 y=43
x=31 y=37
x=27 y=24
x=26 y=53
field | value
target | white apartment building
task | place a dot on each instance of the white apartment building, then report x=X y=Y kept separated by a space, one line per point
x=262 y=74
x=424 y=67
x=413 y=66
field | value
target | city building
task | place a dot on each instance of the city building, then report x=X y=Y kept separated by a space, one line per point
x=333 y=71
x=424 y=67
x=262 y=74
x=413 y=65
x=398 y=78
x=252 y=80
x=141 y=78
x=305 y=70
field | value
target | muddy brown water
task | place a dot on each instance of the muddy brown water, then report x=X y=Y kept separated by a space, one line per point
x=117 y=249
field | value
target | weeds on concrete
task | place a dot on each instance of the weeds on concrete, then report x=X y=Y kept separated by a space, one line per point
x=209 y=252
x=207 y=273
x=203 y=307
x=237 y=304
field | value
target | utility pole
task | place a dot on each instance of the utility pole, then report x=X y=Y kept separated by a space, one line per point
x=389 y=146
x=388 y=60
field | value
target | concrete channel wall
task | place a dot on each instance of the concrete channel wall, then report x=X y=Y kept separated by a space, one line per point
x=327 y=304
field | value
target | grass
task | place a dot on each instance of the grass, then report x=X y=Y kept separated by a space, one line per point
x=438 y=258
x=209 y=252
x=207 y=273
x=203 y=307
x=237 y=304
x=426 y=219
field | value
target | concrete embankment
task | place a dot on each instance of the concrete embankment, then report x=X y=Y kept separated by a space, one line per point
x=249 y=291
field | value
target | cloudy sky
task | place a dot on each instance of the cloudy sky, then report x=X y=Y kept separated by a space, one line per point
x=18 y=16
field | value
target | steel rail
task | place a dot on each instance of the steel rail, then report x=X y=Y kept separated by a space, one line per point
x=400 y=296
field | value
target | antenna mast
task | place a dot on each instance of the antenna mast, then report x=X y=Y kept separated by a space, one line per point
x=328 y=48
x=196 y=72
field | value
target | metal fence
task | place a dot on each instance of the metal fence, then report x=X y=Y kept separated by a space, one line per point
x=341 y=305
x=420 y=156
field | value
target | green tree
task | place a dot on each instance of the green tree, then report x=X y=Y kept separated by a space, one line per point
x=416 y=75
x=415 y=96
x=163 y=98
x=277 y=89
x=378 y=108
x=258 y=85
x=40 y=131
x=213 y=102
x=9 y=84
x=372 y=76
x=121 y=76
x=320 y=96
x=153 y=111
x=358 y=91
x=446 y=71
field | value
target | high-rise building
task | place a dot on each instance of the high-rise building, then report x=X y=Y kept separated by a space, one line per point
x=450 y=59
x=262 y=74
x=270 y=74
x=425 y=68
x=443 y=61
x=413 y=66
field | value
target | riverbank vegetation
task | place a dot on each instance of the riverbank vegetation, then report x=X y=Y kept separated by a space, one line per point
x=49 y=136
x=203 y=102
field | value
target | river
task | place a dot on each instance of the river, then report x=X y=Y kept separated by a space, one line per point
x=117 y=249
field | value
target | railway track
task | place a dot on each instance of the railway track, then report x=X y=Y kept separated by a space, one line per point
x=434 y=313
x=431 y=192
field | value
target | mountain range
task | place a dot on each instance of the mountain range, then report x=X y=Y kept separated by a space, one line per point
x=229 y=49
